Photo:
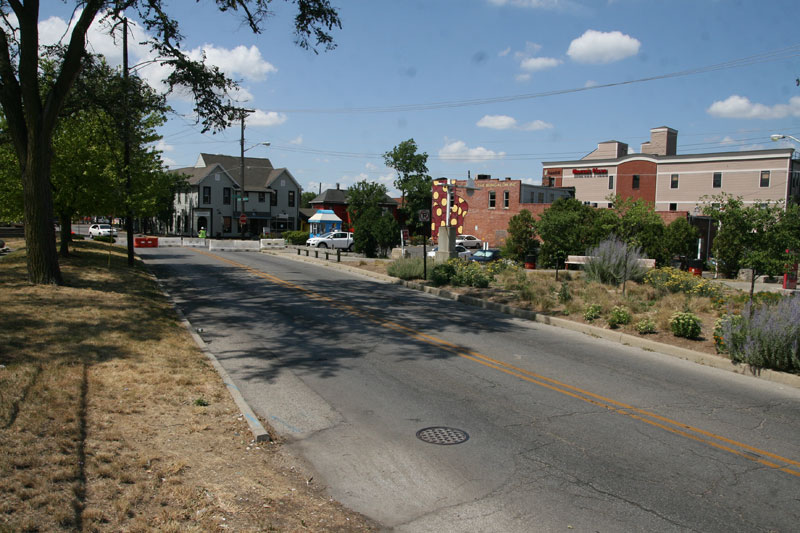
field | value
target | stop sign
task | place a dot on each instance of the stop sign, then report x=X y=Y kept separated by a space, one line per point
x=242 y=219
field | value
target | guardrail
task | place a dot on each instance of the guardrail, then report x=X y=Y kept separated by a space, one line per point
x=325 y=251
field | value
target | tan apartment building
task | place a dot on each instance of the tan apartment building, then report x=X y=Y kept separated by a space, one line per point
x=676 y=183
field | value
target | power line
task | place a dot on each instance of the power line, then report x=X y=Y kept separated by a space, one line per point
x=774 y=55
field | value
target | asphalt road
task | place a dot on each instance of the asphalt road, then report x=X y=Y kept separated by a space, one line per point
x=565 y=431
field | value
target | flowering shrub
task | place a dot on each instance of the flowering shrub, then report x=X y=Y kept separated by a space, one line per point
x=685 y=324
x=612 y=262
x=646 y=325
x=500 y=265
x=460 y=273
x=563 y=293
x=406 y=268
x=591 y=312
x=619 y=315
x=765 y=337
x=442 y=273
x=669 y=279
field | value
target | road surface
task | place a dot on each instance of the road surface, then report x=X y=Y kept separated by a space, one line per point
x=561 y=431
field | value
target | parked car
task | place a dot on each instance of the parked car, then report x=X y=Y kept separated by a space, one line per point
x=463 y=253
x=332 y=239
x=485 y=256
x=100 y=230
x=469 y=241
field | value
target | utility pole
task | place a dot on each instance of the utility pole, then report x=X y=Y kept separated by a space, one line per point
x=126 y=154
x=242 y=115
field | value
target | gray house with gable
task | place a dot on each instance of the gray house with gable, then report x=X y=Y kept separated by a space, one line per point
x=213 y=198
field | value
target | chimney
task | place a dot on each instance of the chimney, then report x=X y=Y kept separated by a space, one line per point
x=337 y=186
x=663 y=141
x=484 y=176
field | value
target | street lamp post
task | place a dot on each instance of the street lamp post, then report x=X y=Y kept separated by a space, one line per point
x=778 y=136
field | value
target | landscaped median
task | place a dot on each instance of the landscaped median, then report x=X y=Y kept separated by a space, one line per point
x=111 y=418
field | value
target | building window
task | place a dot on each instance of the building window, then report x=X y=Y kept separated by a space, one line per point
x=291 y=198
x=673 y=207
x=206 y=195
x=541 y=197
x=226 y=224
x=491 y=200
x=764 y=178
x=610 y=182
x=716 y=182
x=673 y=181
x=635 y=184
x=505 y=199
x=273 y=198
x=226 y=196
x=262 y=197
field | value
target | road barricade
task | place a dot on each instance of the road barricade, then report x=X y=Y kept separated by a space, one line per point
x=145 y=242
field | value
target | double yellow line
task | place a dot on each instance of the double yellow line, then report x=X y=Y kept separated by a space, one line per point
x=746 y=451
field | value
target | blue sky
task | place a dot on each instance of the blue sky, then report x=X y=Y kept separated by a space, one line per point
x=329 y=117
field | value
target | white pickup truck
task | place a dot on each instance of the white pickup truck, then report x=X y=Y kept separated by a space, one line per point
x=333 y=239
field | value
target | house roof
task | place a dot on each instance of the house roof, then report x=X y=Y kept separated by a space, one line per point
x=195 y=175
x=325 y=215
x=259 y=173
x=339 y=196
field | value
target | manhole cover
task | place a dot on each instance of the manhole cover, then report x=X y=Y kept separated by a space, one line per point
x=442 y=435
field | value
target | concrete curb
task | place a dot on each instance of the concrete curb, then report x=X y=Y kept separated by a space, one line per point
x=790 y=380
x=260 y=434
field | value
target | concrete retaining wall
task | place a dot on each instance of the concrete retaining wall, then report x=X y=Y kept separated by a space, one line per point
x=273 y=243
x=233 y=246
x=169 y=241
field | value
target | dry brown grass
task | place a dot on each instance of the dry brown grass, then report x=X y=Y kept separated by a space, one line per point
x=98 y=423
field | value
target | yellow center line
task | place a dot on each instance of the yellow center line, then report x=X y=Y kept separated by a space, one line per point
x=679 y=428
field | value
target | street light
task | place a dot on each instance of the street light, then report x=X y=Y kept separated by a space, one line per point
x=778 y=136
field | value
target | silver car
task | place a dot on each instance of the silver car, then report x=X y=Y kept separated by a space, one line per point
x=469 y=241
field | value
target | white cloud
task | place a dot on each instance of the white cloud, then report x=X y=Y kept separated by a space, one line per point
x=533 y=64
x=240 y=61
x=370 y=166
x=590 y=83
x=458 y=150
x=297 y=140
x=522 y=77
x=597 y=47
x=270 y=118
x=740 y=107
x=537 y=125
x=497 y=122
x=504 y=122
x=162 y=146
x=504 y=53
x=530 y=50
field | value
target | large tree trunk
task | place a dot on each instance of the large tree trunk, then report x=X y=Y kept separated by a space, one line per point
x=65 y=221
x=40 y=237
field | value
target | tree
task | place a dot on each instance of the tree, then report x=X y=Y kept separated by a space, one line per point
x=306 y=197
x=754 y=237
x=374 y=229
x=413 y=181
x=521 y=239
x=680 y=238
x=566 y=228
x=32 y=111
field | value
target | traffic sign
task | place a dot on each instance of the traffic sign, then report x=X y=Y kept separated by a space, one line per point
x=242 y=219
x=424 y=215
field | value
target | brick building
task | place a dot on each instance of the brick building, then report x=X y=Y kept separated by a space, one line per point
x=672 y=182
x=336 y=200
x=495 y=201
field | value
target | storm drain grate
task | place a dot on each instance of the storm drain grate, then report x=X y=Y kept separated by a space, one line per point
x=442 y=435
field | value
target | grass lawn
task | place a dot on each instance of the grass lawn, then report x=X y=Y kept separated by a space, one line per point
x=111 y=419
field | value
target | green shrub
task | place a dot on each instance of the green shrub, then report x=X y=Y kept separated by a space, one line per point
x=77 y=237
x=668 y=279
x=685 y=324
x=442 y=273
x=765 y=336
x=613 y=261
x=105 y=238
x=406 y=268
x=564 y=295
x=645 y=326
x=296 y=237
x=592 y=312
x=731 y=323
x=619 y=316
x=469 y=274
